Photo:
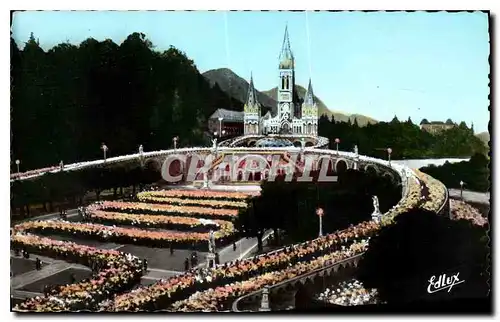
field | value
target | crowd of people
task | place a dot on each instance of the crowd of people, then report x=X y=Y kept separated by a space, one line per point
x=208 y=289
x=146 y=197
x=158 y=209
x=161 y=295
x=199 y=194
x=161 y=221
x=220 y=298
x=435 y=191
x=123 y=235
x=349 y=293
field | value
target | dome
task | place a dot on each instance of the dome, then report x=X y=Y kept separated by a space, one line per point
x=273 y=143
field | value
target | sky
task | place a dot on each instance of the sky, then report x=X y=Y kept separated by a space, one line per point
x=379 y=64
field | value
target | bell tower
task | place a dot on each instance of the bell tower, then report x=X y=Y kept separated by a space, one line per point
x=286 y=107
x=252 y=111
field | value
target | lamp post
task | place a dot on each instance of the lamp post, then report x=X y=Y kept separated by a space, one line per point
x=17 y=164
x=320 y=214
x=337 y=141
x=461 y=189
x=104 y=149
x=220 y=124
x=389 y=151
x=175 y=139
x=214 y=141
x=61 y=165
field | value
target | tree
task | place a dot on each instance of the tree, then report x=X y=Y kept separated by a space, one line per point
x=404 y=256
x=291 y=206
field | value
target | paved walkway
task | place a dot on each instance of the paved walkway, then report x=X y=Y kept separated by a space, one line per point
x=471 y=196
x=33 y=276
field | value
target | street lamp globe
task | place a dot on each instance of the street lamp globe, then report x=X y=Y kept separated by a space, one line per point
x=18 y=162
x=337 y=140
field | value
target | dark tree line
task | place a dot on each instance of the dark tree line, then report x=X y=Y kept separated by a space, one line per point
x=291 y=206
x=71 y=186
x=403 y=257
x=474 y=173
x=406 y=139
x=69 y=100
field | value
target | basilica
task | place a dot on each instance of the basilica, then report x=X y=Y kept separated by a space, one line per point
x=292 y=115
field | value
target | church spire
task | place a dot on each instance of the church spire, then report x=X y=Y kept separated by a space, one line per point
x=286 y=56
x=252 y=95
x=309 y=98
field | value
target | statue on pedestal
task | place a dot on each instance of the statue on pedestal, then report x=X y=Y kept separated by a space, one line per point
x=264 y=304
x=356 y=150
x=376 y=215
x=211 y=242
x=376 y=209
x=214 y=143
x=205 y=180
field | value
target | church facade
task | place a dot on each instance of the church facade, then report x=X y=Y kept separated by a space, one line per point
x=291 y=115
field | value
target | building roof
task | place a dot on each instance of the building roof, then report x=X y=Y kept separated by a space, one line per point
x=252 y=94
x=448 y=122
x=309 y=97
x=227 y=115
x=286 y=56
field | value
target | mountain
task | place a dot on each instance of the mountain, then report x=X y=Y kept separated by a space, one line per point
x=323 y=109
x=484 y=136
x=237 y=87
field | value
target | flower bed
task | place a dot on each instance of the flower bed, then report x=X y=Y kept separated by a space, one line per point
x=162 y=294
x=462 y=210
x=161 y=221
x=158 y=209
x=121 y=235
x=408 y=202
x=199 y=194
x=249 y=274
x=220 y=298
x=194 y=202
x=436 y=192
x=349 y=293
x=120 y=272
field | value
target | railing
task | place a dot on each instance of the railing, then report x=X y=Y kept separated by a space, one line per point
x=146 y=155
x=294 y=279
x=306 y=275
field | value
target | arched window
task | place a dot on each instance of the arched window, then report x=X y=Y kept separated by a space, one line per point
x=282 y=82
x=287 y=82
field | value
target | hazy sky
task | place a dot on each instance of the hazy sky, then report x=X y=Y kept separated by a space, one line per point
x=432 y=65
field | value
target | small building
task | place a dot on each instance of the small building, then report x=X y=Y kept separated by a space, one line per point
x=229 y=121
x=436 y=126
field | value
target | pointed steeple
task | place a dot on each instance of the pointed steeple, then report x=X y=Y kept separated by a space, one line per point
x=309 y=98
x=252 y=94
x=286 y=56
